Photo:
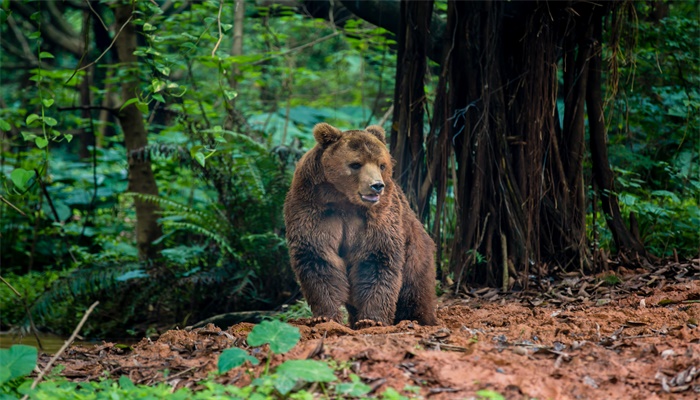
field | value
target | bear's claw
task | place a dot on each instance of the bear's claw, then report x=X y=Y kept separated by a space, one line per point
x=319 y=320
x=367 y=323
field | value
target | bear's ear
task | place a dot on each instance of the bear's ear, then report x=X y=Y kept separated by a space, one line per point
x=326 y=134
x=377 y=131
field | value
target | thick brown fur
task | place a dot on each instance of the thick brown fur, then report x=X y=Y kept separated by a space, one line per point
x=353 y=239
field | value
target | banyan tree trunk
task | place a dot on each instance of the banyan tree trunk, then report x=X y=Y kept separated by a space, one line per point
x=507 y=136
x=406 y=139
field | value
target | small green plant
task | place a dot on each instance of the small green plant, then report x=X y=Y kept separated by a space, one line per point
x=300 y=309
x=280 y=338
x=392 y=394
x=288 y=380
x=411 y=389
x=489 y=395
x=611 y=279
x=354 y=388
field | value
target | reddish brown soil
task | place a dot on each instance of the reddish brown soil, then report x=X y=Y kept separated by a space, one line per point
x=581 y=339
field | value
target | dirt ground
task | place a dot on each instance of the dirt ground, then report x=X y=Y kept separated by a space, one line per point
x=575 y=338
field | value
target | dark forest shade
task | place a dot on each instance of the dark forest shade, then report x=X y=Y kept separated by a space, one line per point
x=496 y=133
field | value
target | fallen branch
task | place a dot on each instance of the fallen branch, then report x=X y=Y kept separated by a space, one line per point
x=63 y=348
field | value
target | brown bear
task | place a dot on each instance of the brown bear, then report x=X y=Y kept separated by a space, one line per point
x=353 y=239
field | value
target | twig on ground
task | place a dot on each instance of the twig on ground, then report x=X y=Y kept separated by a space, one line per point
x=183 y=372
x=62 y=349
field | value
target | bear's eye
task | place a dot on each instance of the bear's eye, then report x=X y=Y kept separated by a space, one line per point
x=382 y=167
x=355 y=165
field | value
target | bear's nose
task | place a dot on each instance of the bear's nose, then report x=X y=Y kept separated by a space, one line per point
x=377 y=187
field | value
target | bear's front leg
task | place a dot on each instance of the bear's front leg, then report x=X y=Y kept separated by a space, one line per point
x=323 y=281
x=374 y=291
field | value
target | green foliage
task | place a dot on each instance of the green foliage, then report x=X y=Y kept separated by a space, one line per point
x=653 y=125
x=234 y=357
x=30 y=286
x=230 y=127
x=125 y=389
x=489 y=395
x=17 y=361
x=306 y=370
x=392 y=394
x=354 y=388
x=611 y=279
x=280 y=336
x=300 y=309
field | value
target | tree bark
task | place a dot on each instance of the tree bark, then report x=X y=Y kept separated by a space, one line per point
x=407 y=129
x=141 y=178
x=602 y=173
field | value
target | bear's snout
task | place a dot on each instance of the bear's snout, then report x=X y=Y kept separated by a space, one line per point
x=378 y=187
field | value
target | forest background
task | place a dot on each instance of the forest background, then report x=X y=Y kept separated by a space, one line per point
x=147 y=146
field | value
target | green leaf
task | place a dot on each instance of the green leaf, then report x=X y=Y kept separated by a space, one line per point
x=196 y=153
x=50 y=121
x=31 y=118
x=28 y=136
x=41 y=142
x=666 y=193
x=4 y=125
x=19 y=360
x=219 y=139
x=159 y=97
x=34 y=35
x=163 y=69
x=200 y=158
x=47 y=102
x=129 y=102
x=490 y=394
x=135 y=274
x=306 y=370
x=45 y=54
x=282 y=337
x=283 y=383
x=196 y=149
x=230 y=94
x=126 y=383
x=354 y=388
x=148 y=27
x=157 y=85
x=20 y=177
x=392 y=394
x=234 y=357
x=143 y=107
x=68 y=137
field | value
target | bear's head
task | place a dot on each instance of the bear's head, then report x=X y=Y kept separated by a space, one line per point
x=357 y=163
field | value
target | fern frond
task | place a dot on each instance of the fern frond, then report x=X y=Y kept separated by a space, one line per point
x=215 y=236
x=242 y=139
x=146 y=153
x=85 y=281
x=257 y=179
x=172 y=208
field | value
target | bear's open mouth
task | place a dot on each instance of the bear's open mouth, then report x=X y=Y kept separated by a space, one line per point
x=372 y=198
